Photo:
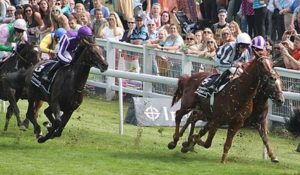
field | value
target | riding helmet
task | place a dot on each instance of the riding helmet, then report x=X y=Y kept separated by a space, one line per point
x=59 y=32
x=20 y=24
x=85 y=31
x=259 y=42
x=243 y=38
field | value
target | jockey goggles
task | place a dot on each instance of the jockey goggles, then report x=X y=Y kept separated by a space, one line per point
x=18 y=30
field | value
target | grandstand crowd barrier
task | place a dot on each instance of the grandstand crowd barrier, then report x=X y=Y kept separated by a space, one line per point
x=158 y=71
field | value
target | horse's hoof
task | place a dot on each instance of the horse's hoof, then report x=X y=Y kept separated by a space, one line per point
x=171 y=145
x=275 y=160
x=41 y=139
x=185 y=144
x=184 y=149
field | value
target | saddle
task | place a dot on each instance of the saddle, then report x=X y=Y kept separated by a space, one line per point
x=204 y=88
x=40 y=72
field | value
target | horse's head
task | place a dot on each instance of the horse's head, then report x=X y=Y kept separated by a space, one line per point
x=270 y=80
x=28 y=53
x=93 y=55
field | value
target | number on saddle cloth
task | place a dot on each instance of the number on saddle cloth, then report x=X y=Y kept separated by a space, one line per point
x=39 y=72
x=203 y=90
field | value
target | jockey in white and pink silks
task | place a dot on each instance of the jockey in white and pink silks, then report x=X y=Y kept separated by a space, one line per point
x=11 y=33
x=67 y=46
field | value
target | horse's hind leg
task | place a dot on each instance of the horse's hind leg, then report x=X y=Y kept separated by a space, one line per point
x=25 y=123
x=9 y=113
x=262 y=129
x=31 y=116
x=179 y=114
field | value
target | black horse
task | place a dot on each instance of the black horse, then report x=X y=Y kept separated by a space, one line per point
x=24 y=57
x=66 y=92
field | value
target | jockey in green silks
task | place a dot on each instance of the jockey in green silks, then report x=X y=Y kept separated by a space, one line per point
x=11 y=33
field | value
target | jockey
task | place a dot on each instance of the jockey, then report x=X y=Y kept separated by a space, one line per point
x=49 y=42
x=10 y=33
x=229 y=57
x=259 y=46
x=67 y=47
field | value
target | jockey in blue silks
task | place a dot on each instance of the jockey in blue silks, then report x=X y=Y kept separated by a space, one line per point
x=67 y=46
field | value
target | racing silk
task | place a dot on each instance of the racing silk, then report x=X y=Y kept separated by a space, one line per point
x=67 y=46
x=48 y=43
x=7 y=37
x=227 y=55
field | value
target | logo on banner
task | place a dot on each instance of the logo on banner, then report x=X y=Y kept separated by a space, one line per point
x=152 y=113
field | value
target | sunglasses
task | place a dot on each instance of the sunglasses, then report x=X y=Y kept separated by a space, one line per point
x=57 y=4
x=243 y=45
x=189 y=38
x=130 y=22
x=210 y=42
x=19 y=30
x=206 y=32
x=54 y=11
x=151 y=24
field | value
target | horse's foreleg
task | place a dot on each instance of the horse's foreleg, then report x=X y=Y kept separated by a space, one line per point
x=65 y=118
x=212 y=129
x=179 y=115
x=263 y=132
x=232 y=130
x=8 y=117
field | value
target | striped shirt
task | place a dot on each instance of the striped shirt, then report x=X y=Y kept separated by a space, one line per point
x=227 y=55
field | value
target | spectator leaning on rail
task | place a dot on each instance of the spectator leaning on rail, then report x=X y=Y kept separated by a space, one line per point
x=10 y=33
x=67 y=46
x=229 y=56
x=49 y=42
x=291 y=60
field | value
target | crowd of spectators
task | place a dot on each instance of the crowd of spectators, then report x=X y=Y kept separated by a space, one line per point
x=152 y=23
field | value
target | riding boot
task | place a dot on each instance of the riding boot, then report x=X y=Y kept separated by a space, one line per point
x=54 y=68
x=214 y=87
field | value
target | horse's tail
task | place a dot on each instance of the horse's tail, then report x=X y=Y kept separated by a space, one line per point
x=182 y=81
x=293 y=125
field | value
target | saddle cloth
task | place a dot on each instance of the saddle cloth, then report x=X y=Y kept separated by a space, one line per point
x=203 y=90
x=37 y=76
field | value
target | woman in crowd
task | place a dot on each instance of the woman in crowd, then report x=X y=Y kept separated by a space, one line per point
x=165 y=20
x=34 y=21
x=234 y=28
x=114 y=31
x=45 y=15
x=59 y=20
x=226 y=36
x=84 y=20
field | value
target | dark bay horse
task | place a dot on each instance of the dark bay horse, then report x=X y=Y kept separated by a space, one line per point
x=66 y=93
x=232 y=106
x=24 y=57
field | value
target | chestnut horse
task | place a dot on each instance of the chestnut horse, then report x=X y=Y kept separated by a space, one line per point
x=66 y=93
x=233 y=106
x=24 y=57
